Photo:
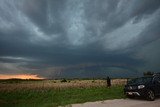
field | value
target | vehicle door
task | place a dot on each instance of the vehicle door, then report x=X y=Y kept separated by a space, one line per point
x=157 y=85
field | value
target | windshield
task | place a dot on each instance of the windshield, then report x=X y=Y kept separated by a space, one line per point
x=140 y=80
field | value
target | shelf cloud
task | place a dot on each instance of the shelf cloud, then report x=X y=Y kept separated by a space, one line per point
x=79 y=38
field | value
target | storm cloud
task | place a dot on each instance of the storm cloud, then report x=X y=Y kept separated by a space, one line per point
x=79 y=38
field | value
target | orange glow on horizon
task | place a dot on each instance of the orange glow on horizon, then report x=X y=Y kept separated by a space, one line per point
x=19 y=76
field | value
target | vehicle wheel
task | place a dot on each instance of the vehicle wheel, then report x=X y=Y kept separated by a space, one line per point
x=150 y=95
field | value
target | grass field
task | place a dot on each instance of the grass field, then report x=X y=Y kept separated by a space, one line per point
x=51 y=93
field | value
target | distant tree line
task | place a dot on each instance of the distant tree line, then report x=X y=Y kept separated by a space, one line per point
x=148 y=73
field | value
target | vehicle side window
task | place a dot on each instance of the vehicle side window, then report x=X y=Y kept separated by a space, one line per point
x=157 y=79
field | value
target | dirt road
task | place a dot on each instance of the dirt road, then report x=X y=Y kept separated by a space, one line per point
x=120 y=103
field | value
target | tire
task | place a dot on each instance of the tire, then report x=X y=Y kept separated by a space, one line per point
x=150 y=95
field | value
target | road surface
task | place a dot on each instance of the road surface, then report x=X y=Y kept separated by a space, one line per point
x=120 y=103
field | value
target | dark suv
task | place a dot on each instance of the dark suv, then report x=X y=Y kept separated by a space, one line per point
x=147 y=87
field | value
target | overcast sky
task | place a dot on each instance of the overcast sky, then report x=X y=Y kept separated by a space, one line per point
x=79 y=38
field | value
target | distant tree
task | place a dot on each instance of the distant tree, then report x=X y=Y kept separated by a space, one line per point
x=148 y=73
x=108 y=82
x=63 y=80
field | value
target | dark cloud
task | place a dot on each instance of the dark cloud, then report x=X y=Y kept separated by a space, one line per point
x=79 y=38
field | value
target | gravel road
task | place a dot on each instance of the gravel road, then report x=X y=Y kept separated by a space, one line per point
x=120 y=103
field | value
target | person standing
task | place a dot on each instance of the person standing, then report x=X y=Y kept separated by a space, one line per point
x=108 y=82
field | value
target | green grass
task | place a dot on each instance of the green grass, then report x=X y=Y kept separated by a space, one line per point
x=55 y=97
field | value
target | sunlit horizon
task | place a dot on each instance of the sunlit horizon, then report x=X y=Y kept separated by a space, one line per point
x=20 y=76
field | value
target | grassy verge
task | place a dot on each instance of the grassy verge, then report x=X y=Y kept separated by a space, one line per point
x=55 y=97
